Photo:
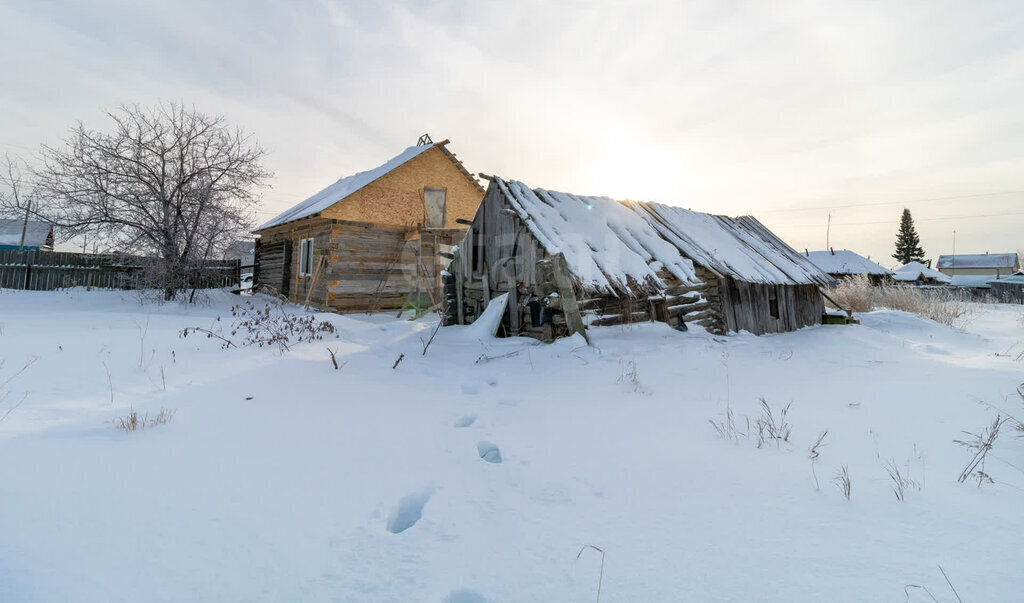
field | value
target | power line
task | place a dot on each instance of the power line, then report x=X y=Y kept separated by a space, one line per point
x=1018 y=213
x=901 y=202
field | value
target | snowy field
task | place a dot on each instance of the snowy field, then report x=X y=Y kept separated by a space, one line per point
x=478 y=471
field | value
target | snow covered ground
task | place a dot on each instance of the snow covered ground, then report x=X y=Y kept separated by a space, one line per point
x=477 y=472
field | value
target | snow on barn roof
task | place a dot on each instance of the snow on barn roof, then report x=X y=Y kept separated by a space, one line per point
x=978 y=260
x=738 y=247
x=845 y=261
x=610 y=244
x=606 y=246
x=36 y=232
x=912 y=271
x=977 y=281
x=1016 y=278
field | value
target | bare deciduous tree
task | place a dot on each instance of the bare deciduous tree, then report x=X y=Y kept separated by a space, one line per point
x=166 y=181
x=13 y=202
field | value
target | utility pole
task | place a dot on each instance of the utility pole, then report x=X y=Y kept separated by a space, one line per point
x=828 y=231
x=952 y=260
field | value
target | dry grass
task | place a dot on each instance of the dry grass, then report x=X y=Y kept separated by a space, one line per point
x=980 y=443
x=855 y=293
x=858 y=294
x=133 y=421
x=771 y=428
x=842 y=481
x=726 y=428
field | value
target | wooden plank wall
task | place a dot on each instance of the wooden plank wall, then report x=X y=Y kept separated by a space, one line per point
x=366 y=266
x=49 y=270
x=747 y=306
x=499 y=252
x=273 y=264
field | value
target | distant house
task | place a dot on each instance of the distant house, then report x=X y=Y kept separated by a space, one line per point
x=919 y=274
x=243 y=251
x=845 y=263
x=565 y=260
x=995 y=264
x=371 y=241
x=38 y=235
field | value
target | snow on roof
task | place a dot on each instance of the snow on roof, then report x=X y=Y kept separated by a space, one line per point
x=345 y=187
x=979 y=281
x=978 y=260
x=912 y=271
x=738 y=247
x=1016 y=278
x=36 y=233
x=607 y=246
x=845 y=261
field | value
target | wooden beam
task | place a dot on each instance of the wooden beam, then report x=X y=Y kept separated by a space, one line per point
x=560 y=272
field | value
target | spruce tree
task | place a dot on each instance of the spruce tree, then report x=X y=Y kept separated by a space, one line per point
x=907 y=242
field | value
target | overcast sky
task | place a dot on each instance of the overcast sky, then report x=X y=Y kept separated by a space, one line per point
x=784 y=110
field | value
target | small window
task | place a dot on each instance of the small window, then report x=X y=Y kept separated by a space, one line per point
x=306 y=257
x=773 y=303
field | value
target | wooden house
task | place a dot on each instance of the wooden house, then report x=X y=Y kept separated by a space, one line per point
x=916 y=273
x=844 y=264
x=370 y=241
x=567 y=261
x=994 y=264
x=28 y=235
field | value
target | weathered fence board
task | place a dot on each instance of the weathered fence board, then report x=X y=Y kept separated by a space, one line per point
x=49 y=270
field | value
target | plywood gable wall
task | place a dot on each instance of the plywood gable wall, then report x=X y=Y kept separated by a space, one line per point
x=396 y=198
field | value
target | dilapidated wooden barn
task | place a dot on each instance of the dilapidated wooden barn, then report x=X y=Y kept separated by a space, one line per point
x=371 y=241
x=567 y=261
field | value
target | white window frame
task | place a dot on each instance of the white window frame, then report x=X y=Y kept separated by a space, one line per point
x=306 y=257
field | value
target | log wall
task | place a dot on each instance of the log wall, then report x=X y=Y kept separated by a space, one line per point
x=363 y=267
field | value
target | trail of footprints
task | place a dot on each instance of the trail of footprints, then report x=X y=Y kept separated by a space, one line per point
x=410 y=508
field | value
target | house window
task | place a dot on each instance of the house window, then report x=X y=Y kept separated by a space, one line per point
x=306 y=257
x=773 y=303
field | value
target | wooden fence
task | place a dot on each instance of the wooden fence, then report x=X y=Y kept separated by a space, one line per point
x=49 y=270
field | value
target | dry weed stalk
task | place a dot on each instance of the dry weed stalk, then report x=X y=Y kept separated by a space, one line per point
x=815 y=454
x=771 y=428
x=726 y=428
x=135 y=422
x=980 y=443
x=600 y=577
x=900 y=483
x=842 y=481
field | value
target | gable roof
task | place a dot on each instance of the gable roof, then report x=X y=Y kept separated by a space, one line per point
x=611 y=245
x=607 y=246
x=742 y=247
x=978 y=260
x=912 y=271
x=845 y=261
x=36 y=233
x=350 y=184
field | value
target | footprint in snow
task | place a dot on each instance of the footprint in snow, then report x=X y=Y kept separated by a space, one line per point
x=465 y=420
x=489 y=452
x=408 y=512
x=465 y=595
